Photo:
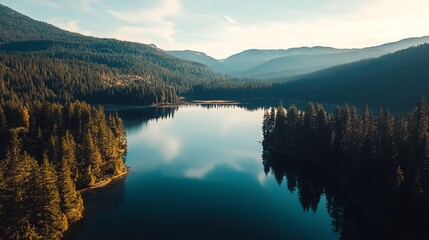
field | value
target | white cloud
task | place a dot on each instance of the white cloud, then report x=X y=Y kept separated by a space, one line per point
x=153 y=35
x=377 y=22
x=88 y=5
x=231 y=20
x=48 y=3
x=159 y=14
x=153 y=25
x=72 y=26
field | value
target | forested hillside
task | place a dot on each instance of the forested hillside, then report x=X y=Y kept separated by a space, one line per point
x=393 y=81
x=38 y=57
x=48 y=152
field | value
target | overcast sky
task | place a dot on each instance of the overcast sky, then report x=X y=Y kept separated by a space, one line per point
x=223 y=27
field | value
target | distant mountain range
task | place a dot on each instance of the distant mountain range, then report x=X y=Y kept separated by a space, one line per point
x=395 y=81
x=265 y=64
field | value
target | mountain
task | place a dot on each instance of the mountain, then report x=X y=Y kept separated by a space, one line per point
x=239 y=63
x=268 y=64
x=17 y=27
x=393 y=80
x=301 y=63
x=94 y=69
x=194 y=56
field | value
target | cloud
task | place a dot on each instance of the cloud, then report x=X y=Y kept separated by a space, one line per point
x=373 y=23
x=72 y=26
x=152 y=25
x=156 y=14
x=48 y=3
x=231 y=20
x=88 y=5
x=153 y=35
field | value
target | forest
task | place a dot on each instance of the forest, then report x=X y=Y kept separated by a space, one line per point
x=382 y=160
x=48 y=152
x=39 y=61
x=377 y=81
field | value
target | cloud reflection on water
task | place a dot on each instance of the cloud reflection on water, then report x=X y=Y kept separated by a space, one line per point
x=193 y=144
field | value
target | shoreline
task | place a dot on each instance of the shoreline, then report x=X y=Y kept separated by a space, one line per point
x=104 y=182
x=198 y=102
x=118 y=107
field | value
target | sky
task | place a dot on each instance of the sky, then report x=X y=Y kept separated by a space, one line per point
x=221 y=28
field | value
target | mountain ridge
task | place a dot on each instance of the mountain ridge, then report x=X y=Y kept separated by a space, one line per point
x=274 y=63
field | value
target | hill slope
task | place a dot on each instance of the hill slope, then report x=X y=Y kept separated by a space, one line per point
x=17 y=27
x=302 y=64
x=394 y=80
x=114 y=66
x=241 y=62
x=194 y=56
x=268 y=64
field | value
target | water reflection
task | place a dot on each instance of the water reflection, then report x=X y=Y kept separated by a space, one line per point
x=311 y=183
x=98 y=203
x=134 y=116
x=196 y=174
x=196 y=141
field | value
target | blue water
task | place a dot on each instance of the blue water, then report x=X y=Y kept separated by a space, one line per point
x=198 y=174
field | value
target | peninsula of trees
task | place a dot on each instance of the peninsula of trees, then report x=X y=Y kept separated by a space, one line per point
x=48 y=152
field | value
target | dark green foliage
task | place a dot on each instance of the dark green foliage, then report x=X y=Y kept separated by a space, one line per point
x=49 y=219
x=71 y=201
x=61 y=147
x=383 y=158
x=41 y=62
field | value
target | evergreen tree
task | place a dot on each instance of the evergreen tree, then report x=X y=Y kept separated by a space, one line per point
x=280 y=122
x=71 y=200
x=3 y=121
x=16 y=213
x=419 y=124
x=50 y=221
x=92 y=154
x=68 y=154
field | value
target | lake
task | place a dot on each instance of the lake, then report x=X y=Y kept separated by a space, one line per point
x=199 y=173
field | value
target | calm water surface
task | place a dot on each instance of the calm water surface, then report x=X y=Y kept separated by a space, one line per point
x=197 y=173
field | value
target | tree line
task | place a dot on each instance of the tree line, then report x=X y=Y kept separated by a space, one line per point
x=381 y=158
x=48 y=152
x=30 y=78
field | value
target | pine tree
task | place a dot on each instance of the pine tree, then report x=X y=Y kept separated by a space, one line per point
x=68 y=154
x=16 y=203
x=3 y=121
x=419 y=125
x=92 y=154
x=50 y=221
x=71 y=200
x=265 y=124
x=309 y=133
x=292 y=131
